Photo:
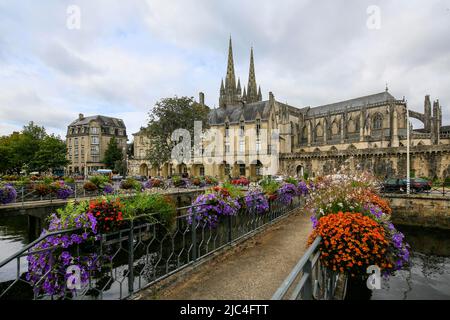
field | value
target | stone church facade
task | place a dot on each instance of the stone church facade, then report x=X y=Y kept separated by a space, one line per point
x=364 y=133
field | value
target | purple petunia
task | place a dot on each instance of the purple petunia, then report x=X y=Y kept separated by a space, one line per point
x=108 y=188
x=207 y=208
x=314 y=221
x=8 y=194
x=303 y=188
x=256 y=202
x=287 y=192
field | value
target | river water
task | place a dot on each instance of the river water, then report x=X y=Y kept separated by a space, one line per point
x=428 y=277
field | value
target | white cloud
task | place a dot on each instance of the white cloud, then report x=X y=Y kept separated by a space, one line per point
x=127 y=55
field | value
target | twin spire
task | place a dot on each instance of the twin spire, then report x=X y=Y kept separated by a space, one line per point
x=230 y=93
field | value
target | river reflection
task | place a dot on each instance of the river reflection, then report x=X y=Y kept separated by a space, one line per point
x=429 y=275
x=14 y=235
x=428 y=278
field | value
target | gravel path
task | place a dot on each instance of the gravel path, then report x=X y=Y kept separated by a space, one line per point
x=253 y=271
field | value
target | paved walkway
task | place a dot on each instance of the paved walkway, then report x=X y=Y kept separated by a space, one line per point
x=254 y=271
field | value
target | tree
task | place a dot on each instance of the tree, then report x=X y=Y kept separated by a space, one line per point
x=31 y=149
x=51 y=154
x=112 y=154
x=168 y=115
x=34 y=131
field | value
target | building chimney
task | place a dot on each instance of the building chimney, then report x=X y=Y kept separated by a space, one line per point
x=80 y=116
x=271 y=98
x=201 y=98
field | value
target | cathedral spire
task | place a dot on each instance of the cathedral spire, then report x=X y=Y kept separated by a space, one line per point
x=230 y=80
x=239 y=87
x=230 y=94
x=252 y=93
x=259 y=94
x=222 y=88
x=244 y=95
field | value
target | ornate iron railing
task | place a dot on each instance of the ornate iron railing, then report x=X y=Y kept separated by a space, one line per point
x=27 y=195
x=140 y=254
x=436 y=189
x=309 y=279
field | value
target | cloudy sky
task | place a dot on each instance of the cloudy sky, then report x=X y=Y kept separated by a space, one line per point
x=126 y=55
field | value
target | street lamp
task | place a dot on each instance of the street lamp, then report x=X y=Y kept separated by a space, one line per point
x=408 y=173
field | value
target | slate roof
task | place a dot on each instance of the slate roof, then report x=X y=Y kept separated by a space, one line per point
x=103 y=120
x=357 y=102
x=234 y=112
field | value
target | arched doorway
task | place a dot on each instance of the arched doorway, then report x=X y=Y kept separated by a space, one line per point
x=256 y=169
x=143 y=170
x=300 y=171
x=225 y=170
x=182 y=169
x=239 y=169
x=198 y=170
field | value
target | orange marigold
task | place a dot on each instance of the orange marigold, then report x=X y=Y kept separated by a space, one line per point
x=354 y=250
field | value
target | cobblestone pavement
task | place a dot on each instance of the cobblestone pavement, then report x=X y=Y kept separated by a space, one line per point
x=253 y=271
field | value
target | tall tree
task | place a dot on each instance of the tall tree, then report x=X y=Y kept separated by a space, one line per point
x=168 y=115
x=51 y=154
x=35 y=131
x=32 y=149
x=112 y=154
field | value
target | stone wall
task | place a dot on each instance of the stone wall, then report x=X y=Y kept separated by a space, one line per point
x=426 y=161
x=420 y=210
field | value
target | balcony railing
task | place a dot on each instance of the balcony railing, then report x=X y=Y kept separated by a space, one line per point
x=140 y=255
x=309 y=279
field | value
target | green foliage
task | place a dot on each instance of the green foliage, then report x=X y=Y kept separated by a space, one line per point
x=89 y=186
x=51 y=154
x=131 y=183
x=447 y=182
x=113 y=154
x=69 y=180
x=23 y=181
x=269 y=186
x=168 y=115
x=211 y=180
x=99 y=180
x=152 y=207
x=235 y=191
x=47 y=180
x=305 y=176
x=71 y=211
x=291 y=180
x=31 y=150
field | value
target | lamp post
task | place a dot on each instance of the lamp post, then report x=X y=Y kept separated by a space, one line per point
x=408 y=173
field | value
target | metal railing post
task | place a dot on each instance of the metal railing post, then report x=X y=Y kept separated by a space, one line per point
x=194 y=235
x=230 y=234
x=308 y=287
x=131 y=258
x=23 y=200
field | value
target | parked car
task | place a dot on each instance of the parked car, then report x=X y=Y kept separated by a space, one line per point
x=278 y=178
x=139 y=178
x=117 y=178
x=399 y=185
x=420 y=184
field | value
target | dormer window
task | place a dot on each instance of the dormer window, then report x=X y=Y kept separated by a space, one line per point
x=258 y=127
x=227 y=129
x=242 y=129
